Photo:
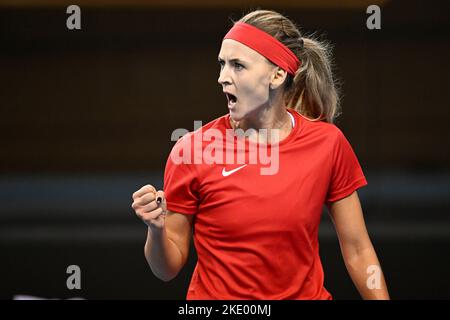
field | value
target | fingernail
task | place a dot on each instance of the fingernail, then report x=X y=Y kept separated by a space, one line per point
x=158 y=200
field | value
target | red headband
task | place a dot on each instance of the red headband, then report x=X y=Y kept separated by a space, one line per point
x=266 y=45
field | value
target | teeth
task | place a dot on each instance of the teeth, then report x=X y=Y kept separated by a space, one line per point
x=231 y=98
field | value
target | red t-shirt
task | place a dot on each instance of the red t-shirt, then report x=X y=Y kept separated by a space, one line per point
x=256 y=235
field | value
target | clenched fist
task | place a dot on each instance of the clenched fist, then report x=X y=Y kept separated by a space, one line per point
x=150 y=206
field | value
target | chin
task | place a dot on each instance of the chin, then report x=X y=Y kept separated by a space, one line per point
x=235 y=117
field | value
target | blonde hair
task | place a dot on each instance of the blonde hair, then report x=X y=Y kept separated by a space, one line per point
x=313 y=92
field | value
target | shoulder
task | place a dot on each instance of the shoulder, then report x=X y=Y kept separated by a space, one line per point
x=318 y=130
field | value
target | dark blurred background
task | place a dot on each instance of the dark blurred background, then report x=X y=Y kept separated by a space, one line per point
x=86 y=118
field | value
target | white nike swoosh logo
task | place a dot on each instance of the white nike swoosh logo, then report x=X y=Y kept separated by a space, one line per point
x=226 y=173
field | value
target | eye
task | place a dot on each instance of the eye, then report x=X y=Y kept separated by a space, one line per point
x=238 y=66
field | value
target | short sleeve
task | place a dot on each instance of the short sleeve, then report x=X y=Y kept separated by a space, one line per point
x=346 y=174
x=181 y=181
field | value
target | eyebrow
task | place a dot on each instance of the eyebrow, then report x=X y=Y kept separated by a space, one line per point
x=232 y=60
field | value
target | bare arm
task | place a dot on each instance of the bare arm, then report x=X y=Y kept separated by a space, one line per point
x=167 y=249
x=168 y=234
x=357 y=250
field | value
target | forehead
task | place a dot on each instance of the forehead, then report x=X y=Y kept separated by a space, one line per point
x=232 y=49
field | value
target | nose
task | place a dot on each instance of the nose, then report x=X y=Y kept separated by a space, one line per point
x=224 y=77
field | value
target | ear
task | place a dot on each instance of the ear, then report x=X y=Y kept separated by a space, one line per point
x=278 y=78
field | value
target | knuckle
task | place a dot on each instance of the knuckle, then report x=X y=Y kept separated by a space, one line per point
x=144 y=198
x=147 y=198
x=156 y=213
x=147 y=217
x=147 y=209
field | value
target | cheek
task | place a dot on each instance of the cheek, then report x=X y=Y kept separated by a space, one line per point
x=256 y=91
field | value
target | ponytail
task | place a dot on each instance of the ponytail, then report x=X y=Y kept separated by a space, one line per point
x=313 y=91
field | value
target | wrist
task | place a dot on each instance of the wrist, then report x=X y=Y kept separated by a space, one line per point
x=155 y=232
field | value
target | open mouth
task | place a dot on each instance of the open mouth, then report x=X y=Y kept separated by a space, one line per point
x=231 y=99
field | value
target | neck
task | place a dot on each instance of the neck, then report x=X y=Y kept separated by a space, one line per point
x=275 y=119
x=270 y=118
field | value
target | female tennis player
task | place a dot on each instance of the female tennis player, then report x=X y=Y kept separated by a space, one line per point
x=256 y=232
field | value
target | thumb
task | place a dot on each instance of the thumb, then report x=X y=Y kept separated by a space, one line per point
x=161 y=200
